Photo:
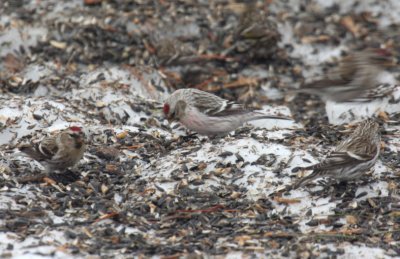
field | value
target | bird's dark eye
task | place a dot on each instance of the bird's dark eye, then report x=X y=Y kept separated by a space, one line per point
x=72 y=135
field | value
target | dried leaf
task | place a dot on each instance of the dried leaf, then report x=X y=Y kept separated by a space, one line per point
x=273 y=244
x=350 y=219
x=12 y=63
x=115 y=239
x=111 y=168
x=286 y=201
x=350 y=25
x=202 y=166
x=392 y=186
x=220 y=171
x=149 y=191
x=92 y=2
x=255 y=248
x=236 y=195
x=49 y=181
x=134 y=147
x=242 y=81
x=315 y=39
x=87 y=232
x=384 y=116
x=352 y=231
x=106 y=216
x=152 y=207
x=388 y=237
x=241 y=240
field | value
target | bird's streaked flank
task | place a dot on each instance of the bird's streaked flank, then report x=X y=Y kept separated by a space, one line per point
x=60 y=151
x=352 y=158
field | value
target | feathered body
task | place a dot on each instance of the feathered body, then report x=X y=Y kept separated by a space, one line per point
x=208 y=114
x=58 y=152
x=379 y=92
x=356 y=75
x=351 y=158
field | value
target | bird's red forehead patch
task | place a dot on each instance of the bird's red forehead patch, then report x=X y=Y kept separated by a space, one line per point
x=166 y=108
x=383 y=52
x=75 y=129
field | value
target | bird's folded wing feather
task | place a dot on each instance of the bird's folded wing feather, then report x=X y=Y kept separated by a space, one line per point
x=381 y=91
x=338 y=160
x=48 y=148
x=44 y=150
x=323 y=83
x=213 y=105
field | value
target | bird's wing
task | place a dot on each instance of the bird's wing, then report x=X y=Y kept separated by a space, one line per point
x=338 y=160
x=381 y=91
x=213 y=105
x=31 y=150
x=323 y=83
x=41 y=151
x=48 y=148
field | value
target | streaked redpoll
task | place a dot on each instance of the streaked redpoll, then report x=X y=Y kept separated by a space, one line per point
x=355 y=75
x=351 y=158
x=381 y=91
x=172 y=52
x=60 y=151
x=208 y=114
x=256 y=35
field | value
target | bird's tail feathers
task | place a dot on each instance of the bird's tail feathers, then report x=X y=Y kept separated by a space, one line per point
x=31 y=152
x=260 y=116
x=303 y=181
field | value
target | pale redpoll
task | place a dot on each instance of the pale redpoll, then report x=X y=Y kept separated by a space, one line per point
x=58 y=152
x=208 y=114
x=351 y=158
x=355 y=75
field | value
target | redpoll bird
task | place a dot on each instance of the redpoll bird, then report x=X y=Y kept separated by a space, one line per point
x=208 y=114
x=351 y=158
x=356 y=74
x=381 y=91
x=172 y=52
x=58 y=152
x=256 y=36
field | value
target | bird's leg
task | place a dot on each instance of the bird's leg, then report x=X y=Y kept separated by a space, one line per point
x=216 y=138
x=190 y=136
x=65 y=177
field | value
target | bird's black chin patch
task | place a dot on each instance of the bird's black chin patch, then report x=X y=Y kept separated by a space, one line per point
x=172 y=117
x=78 y=144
